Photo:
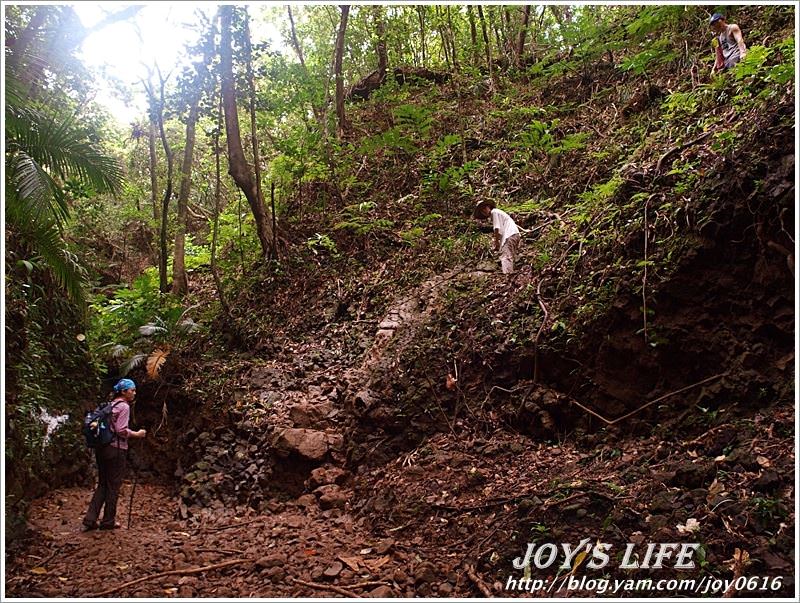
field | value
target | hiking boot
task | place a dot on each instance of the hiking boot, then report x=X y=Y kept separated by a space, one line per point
x=110 y=527
x=88 y=527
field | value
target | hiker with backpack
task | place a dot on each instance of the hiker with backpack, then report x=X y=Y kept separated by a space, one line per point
x=107 y=431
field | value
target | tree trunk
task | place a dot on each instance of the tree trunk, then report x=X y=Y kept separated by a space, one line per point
x=508 y=31
x=162 y=266
x=318 y=114
x=237 y=164
x=217 y=210
x=151 y=139
x=156 y=106
x=295 y=43
x=451 y=32
x=180 y=281
x=253 y=133
x=341 y=118
x=20 y=45
x=493 y=24
x=440 y=27
x=523 y=31
x=380 y=46
x=421 y=16
x=486 y=46
x=473 y=32
x=535 y=34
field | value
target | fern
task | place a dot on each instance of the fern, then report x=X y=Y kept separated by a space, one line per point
x=414 y=119
x=571 y=142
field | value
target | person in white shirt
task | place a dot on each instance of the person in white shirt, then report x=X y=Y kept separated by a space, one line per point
x=506 y=233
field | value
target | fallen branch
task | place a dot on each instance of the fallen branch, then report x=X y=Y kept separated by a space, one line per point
x=678 y=148
x=221 y=551
x=233 y=525
x=179 y=572
x=330 y=587
x=479 y=582
x=539 y=332
x=368 y=584
x=641 y=408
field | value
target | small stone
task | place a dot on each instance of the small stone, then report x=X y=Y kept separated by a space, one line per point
x=316 y=574
x=273 y=560
x=445 y=588
x=384 y=546
x=276 y=574
x=322 y=476
x=333 y=570
x=331 y=497
x=307 y=501
x=425 y=572
x=768 y=480
x=381 y=592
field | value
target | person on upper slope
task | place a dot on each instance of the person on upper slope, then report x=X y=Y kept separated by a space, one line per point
x=730 y=48
x=505 y=231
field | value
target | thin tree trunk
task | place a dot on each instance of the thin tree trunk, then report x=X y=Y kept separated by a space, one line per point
x=523 y=31
x=217 y=210
x=440 y=27
x=452 y=35
x=486 y=46
x=180 y=281
x=20 y=45
x=162 y=260
x=299 y=50
x=493 y=23
x=295 y=43
x=535 y=33
x=151 y=139
x=380 y=45
x=473 y=32
x=340 y=115
x=253 y=133
x=237 y=164
x=421 y=16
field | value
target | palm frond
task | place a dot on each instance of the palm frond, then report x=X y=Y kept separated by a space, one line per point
x=44 y=239
x=133 y=362
x=43 y=151
x=61 y=148
x=34 y=193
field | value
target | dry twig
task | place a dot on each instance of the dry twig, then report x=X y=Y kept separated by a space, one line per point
x=478 y=582
x=641 y=408
x=330 y=587
x=179 y=572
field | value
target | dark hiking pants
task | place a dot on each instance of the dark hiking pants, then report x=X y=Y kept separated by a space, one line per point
x=111 y=464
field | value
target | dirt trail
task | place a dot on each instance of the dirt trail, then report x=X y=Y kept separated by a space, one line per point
x=445 y=518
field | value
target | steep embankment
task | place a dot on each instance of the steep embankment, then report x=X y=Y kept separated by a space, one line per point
x=404 y=418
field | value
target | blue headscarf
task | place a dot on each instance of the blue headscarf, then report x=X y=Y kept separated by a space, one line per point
x=124 y=384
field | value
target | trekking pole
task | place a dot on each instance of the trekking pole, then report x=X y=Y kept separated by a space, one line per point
x=133 y=489
x=135 y=479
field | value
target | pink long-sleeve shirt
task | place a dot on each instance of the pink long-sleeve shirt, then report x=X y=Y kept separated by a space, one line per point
x=120 y=415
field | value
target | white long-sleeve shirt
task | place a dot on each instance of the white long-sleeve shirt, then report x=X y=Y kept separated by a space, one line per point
x=504 y=224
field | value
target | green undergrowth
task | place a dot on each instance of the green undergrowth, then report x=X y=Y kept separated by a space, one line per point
x=615 y=197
